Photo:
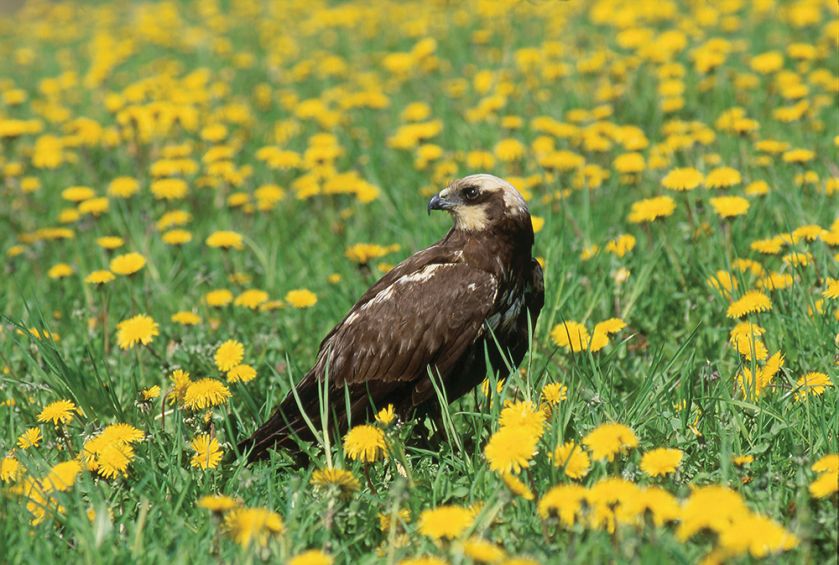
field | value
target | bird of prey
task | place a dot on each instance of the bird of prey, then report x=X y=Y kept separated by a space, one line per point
x=444 y=311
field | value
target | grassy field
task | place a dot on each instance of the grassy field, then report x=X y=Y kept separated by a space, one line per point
x=194 y=193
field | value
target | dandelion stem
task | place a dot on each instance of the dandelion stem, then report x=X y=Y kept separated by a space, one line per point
x=366 y=470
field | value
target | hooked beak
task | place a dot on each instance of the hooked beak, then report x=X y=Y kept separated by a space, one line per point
x=438 y=203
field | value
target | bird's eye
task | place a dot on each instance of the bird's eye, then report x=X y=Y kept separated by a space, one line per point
x=470 y=193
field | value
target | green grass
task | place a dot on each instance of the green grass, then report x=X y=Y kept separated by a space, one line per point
x=674 y=350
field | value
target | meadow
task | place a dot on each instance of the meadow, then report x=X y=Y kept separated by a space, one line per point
x=193 y=193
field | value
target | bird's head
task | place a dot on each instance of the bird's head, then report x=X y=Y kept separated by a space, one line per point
x=481 y=202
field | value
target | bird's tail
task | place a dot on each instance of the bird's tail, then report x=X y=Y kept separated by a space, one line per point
x=287 y=428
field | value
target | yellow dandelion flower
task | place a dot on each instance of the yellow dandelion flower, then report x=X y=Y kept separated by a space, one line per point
x=253 y=526
x=612 y=501
x=110 y=242
x=712 y=507
x=176 y=237
x=229 y=354
x=742 y=460
x=58 y=412
x=723 y=177
x=748 y=266
x=509 y=150
x=241 y=374
x=301 y=298
x=226 y=240
x=30 y=438
x=150 y=393
x=651 y=209
x=180 y=383
x=571 y=335
x=218 y=503
x=751 y=302
x=95 y=206
x=364 y=253
x=746 y=329
x=554 y=393
x=110 y=452
x=825 y=485
x=522 y=413
x=78 y=193
x=621 y=245
x=113 y=459
x=798 y=156
x=169 y=189
x=661 y=504
x=770 y=246
x=517 y=486
x=564 y=502
x=218 y=298
x=661 y=461
x=730 y=206
x=205 y=393
x=809 y=232
x=722 y=282
x=123 y=187
x=482 y=551
x=208 y=452
x=813 y=383
x=343 y=480
x=62 y=476
x=752 y=385
x=173 y=218
x=832 y=290
x=589 y=252
x=607 y=440
x=775 y=281
x=682 y=179
x=757 y=535
x=186 y=318
x=629 y=163
x=511 y=448
x=365 y=443
x=610 y=326
x=127 y=264
x=827 y=463
x=138 y=329
x=10 y=469
x=311 y=557
x=251 y=298
x=757 y=188
x=386 y=416
x=797 y=259
x=571 y=458
x=60 y=271
x=426 y=560
x=99 y=277
x=750 y=347
x=446 y=522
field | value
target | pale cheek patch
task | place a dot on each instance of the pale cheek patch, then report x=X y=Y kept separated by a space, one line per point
x=471 y=218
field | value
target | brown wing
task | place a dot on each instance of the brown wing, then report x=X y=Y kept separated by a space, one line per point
x=437 y=253
x=427 y=315
x=424 y=317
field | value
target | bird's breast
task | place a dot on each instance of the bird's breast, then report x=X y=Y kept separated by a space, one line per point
x=510 y=305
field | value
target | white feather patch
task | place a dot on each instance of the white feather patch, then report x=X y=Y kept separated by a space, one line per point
x=471 y=218
x=383 y=295
x=422 y=275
